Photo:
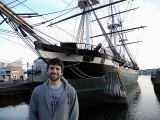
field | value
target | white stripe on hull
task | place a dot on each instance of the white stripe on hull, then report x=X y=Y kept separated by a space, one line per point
x=72 y=58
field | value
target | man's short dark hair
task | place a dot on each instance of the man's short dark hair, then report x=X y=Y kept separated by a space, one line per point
x=55 y=61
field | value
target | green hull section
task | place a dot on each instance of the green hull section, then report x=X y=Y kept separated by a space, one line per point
x=94 y=84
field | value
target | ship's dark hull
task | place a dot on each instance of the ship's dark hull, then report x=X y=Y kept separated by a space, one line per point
x=75 y=70
x=92 y=90
x=96 y=84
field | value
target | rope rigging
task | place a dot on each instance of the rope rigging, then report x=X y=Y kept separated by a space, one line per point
x=40 y=15
x=37 y=24
x=121 y=37
x=80 y=32
x=23 y=36
x=79 y=36
x=13 y=42
x=34 y=14
x=19 y=3
x=11 y=2
x=115 y=53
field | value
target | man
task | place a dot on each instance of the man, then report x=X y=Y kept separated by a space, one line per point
x=55 y=99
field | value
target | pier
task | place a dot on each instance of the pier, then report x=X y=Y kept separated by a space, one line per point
x=17 y=87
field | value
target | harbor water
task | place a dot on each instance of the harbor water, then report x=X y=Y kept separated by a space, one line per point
x=143 y=103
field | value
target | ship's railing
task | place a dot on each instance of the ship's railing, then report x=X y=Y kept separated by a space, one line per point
x=78 y=45
x=93 y=47
x=86 y=46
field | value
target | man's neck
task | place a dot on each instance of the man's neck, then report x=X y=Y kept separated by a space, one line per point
x=55 y=84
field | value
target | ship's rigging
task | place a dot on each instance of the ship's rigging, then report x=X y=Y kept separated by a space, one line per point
x=23 y=28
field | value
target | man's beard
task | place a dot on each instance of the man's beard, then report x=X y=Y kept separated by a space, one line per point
x=53 y=78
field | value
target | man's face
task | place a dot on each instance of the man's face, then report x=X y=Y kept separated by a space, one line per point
x=54 y=72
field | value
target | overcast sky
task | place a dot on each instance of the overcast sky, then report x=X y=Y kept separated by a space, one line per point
x=147 y=54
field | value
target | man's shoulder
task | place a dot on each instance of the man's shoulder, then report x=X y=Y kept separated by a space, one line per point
x=69 y=87
x=71 y=90
x=39 y=88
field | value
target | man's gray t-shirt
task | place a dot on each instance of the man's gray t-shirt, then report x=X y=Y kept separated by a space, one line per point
x=55 y=96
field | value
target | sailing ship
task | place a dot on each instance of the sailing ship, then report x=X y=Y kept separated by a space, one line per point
x=93 y=59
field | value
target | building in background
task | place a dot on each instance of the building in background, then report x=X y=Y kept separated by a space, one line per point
x=11 y=71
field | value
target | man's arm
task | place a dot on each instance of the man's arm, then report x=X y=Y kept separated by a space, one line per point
x=74 y=113
x=33 y=112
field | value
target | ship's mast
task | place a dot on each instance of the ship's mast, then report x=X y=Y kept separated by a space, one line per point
x=113 y=26
x=85 y=5
x=87 y=26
